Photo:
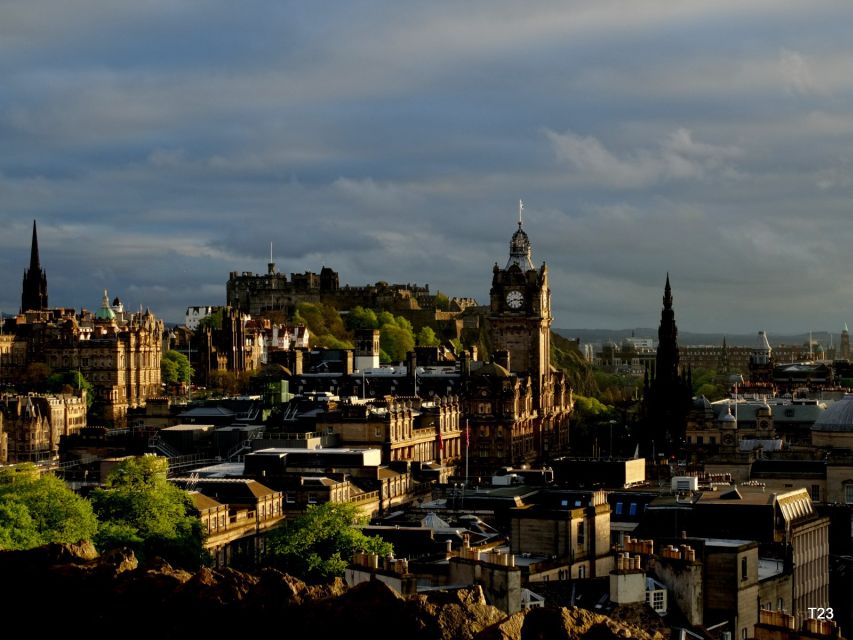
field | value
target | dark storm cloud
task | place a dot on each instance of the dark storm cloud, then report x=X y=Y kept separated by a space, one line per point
x=162 y=145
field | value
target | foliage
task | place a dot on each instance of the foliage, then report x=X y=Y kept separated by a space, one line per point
x=140 y=508
x=591 y=409
x=211 y=321
x=319 y=544
x=38 y=509
x=324 y=324
x=426 y=337
x=442 y=302
x=395 y=342
x=706 y=382
x=175 y=367
x=361 y=318
x=566 y=356
x=225 y=382
x=70 y=382
x=457 y=345
x=229 y=383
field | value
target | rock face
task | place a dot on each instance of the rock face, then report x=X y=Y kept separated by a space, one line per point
x=111 y=596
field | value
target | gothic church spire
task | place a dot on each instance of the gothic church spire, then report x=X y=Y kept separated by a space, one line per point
x=34 y=291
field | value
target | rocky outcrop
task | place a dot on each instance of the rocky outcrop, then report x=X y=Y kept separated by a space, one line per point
x=112 y=595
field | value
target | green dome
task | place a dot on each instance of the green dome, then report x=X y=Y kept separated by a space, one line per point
x=105 y=312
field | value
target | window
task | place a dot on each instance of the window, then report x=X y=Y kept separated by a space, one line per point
x=581 y=533
x=700 y=440
x=848 y=494
x=713 y=439
x=816 y=492
x=744 y=574
x=632 y=510
x=657 y=600
x=780 y=604
x=618 y=510
x=582 y=572
x=743 y=634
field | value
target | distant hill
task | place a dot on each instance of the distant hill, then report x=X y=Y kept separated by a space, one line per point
x=688 y=338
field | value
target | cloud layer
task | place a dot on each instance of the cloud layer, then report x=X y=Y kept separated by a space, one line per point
x=162 y=145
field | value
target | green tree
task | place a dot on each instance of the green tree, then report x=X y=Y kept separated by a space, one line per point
x=320 y=544
x=708 y=383
x=212 y=321
x=37 y=509
x=426 y=337
x=138 y=507
x=223 y=381
x=70 y=382
x=324 y=324
x=361 y=318
x=396 y=342
x=175 y=367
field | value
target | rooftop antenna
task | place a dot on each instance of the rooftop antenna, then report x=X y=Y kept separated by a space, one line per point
x=270 y=251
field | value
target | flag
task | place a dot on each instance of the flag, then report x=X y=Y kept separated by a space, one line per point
x=440 y=441
x=467 y=435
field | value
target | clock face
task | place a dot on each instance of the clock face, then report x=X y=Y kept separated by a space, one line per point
x=515 y=299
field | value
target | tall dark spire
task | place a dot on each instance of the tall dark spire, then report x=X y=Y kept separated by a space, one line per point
x=666 y=365
x=34 y=251
x=667 y=399
x=34 y=292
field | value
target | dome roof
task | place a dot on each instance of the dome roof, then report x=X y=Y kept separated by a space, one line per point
x=701 y=403
x=728 y=417
x=105 y=313
x=520 y=253
x=838 y=417
x=491 y=369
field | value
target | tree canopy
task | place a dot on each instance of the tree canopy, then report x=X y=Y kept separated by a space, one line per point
x=70 y=382
x=138 y=507
x=175 y=368
x=319 y=544
x=38 y=509
x=426 y=337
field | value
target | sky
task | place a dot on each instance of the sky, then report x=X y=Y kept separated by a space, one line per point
x=162 y=144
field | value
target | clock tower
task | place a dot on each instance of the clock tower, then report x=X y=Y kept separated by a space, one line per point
x=520 y=317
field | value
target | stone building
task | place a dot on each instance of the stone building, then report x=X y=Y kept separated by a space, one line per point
x=33 y=424
x=119 y=354
x=518 y=405
x=571 y=528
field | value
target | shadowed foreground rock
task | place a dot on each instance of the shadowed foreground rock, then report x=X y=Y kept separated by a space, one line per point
x=111 y=596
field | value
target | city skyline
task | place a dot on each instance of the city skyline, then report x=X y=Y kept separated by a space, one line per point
x=162 y=146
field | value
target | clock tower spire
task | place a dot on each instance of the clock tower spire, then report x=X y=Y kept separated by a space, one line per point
x=520 y=314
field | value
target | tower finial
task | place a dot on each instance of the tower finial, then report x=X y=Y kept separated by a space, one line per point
x=520 y=209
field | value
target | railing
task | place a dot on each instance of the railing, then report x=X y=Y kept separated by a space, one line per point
x=157 y=443
x=365 y=497
x=182 y=463
x=242 y=446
